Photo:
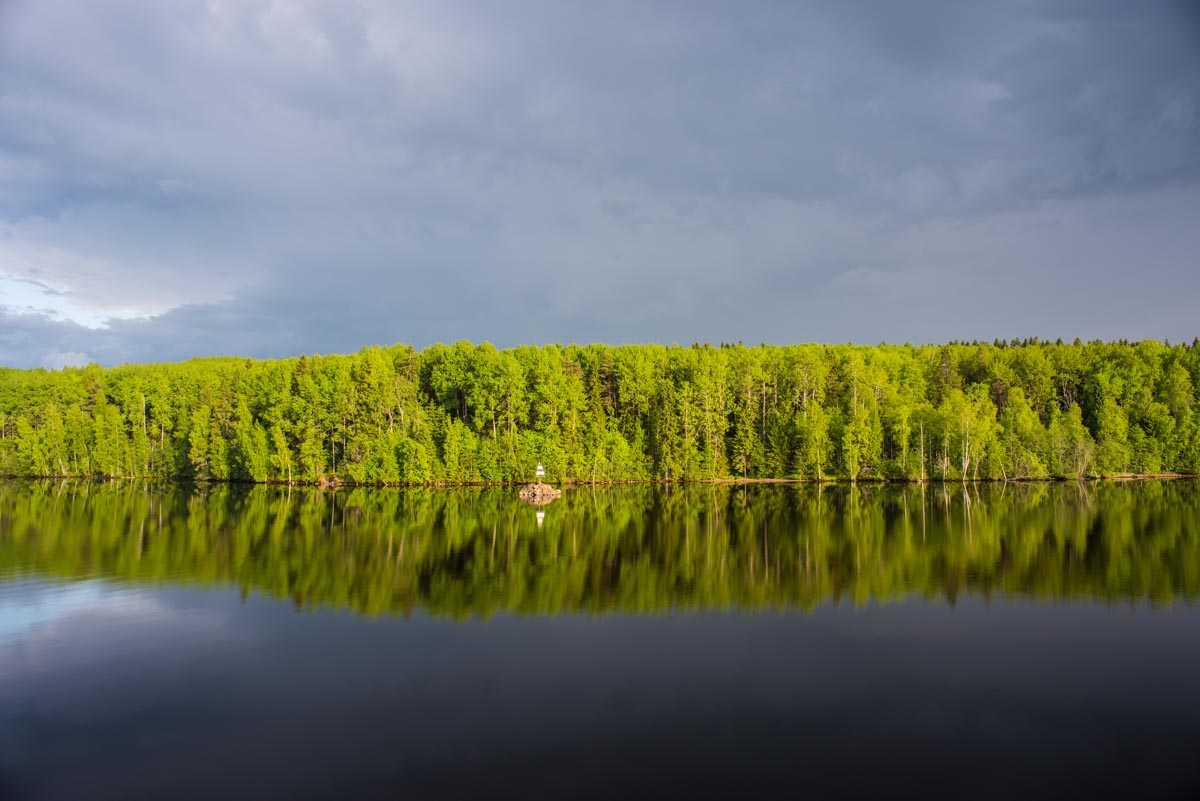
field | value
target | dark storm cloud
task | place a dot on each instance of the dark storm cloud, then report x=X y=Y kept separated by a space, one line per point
x=264 y=179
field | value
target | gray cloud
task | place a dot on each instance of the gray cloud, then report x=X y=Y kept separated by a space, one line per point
x=268 y=179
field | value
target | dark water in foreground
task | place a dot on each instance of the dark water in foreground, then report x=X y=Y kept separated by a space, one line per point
x=1033 y=640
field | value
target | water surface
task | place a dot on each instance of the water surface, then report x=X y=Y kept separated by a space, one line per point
x=636 y=642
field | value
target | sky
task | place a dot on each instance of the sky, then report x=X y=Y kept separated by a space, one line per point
x=274 y=178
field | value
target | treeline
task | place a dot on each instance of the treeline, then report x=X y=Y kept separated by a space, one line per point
x=478 y=551
x=471 y=413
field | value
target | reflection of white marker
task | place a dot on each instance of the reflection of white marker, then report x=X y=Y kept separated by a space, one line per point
x=540 y=517
x=541 y=471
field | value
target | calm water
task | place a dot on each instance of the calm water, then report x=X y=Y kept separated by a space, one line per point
x=1040 y=640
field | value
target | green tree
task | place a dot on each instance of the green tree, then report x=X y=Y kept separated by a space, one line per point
x=198 y=439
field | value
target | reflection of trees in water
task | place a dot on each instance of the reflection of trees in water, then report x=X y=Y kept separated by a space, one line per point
x=633 y=549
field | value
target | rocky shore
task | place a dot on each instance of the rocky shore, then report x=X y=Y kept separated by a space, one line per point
x=539 y=494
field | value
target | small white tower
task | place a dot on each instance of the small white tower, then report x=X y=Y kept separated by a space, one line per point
x=541 y=471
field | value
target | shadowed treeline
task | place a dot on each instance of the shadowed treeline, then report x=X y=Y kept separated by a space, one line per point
x=478 y=551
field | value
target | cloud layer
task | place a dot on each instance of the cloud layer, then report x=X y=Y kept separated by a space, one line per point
x=275 y=178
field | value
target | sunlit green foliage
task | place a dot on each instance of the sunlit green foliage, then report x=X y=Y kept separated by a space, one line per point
x=468 y=413
x=475 y=551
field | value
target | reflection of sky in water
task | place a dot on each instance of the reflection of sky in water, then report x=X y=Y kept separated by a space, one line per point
x=188 y=670
x=32 y=609
x=25 y=604
x=171 y=691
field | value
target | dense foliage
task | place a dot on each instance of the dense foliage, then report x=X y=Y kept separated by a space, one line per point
x=635 y=549
x=468 y=413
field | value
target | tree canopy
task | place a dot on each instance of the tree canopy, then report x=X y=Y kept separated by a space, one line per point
x=467 y=412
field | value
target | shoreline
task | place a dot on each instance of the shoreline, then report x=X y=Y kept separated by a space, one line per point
x=565 y=483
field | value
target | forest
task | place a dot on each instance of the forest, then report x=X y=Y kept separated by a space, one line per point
x=471 y=413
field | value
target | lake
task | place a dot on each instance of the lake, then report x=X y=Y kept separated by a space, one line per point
x=982 y=641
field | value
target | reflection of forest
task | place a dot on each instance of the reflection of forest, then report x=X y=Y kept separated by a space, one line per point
x=630 y=549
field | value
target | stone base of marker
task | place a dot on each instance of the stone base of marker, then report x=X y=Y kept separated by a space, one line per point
x=539 y=494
